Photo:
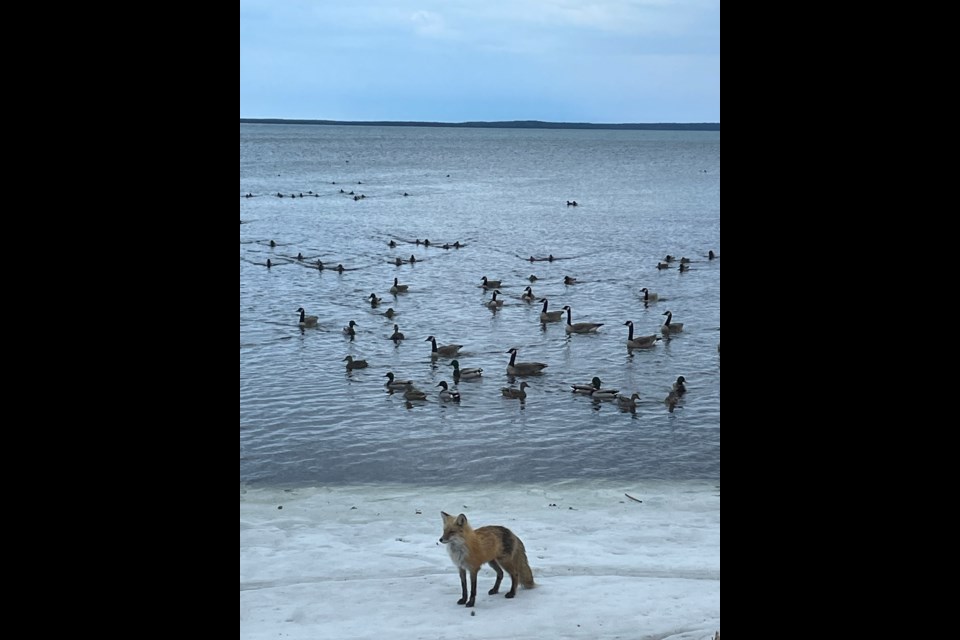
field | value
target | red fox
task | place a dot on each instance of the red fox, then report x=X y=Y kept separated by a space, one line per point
x=470 y=548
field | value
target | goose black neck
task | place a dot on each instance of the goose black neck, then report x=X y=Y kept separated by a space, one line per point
x=513 y=358
x=630 y=336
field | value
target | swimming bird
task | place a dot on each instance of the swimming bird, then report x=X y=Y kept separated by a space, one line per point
x=391 y=244
x=493 y=303
x=389 y=312
x=355 y=364
x=533 y=278
x=470 y=373
x=319 y=265
x=397 y=287
x=671 y=401
x=515 y=368
x=662 y=265
x=491 y=284
x=711 y=255
x=527 y=295
x=549 y=316
x=580 y=327
x=448 y=394
x=569 y=280
x=668 y=258
x=349 y=329
x=514 y=392
x=640 y=342
x=305 y=320
x=374 y=300
x=395 y=384
x=269 y=264
x=669 y=326
x=398 y=261
x=628 y=403
x=446 y=350
x=587 y=389
x=396 y=333
x=684 y=260
x=604 y=394
x=684 y=267
x=412 y=393
x=678 y=386
x=649 y=296
x=340 y=268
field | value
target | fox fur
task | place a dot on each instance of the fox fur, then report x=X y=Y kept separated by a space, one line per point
x=497 y=546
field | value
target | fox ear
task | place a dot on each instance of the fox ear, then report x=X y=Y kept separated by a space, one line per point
x=446 y=516
x=461 y=520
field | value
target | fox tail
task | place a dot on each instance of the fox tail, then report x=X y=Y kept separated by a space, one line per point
x=526 y=573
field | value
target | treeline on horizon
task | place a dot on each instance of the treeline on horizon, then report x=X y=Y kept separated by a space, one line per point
x=505 y=124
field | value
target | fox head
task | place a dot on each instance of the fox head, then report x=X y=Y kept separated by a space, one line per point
x=452 y=526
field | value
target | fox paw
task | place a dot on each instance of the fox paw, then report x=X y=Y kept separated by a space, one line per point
x=493 y=591
x=510 y=594
x=462 y=601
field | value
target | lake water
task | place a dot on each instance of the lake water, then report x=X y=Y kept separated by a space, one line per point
x=502 y=194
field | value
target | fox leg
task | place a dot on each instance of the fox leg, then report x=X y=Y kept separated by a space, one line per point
x=473 y=588
x=463 y=587
x=514 y=575
x=496 y=585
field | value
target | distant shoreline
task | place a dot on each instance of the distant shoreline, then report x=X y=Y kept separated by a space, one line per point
x=504 y=124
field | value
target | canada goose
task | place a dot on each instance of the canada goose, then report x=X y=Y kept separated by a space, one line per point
x=470 y=373
x=684 y=267
x=354 y=364
x=389 y=312
x=649 y=296
x=515 y=368
x=374 y=300
x=446 y=350
x=395 y=384
x=412 y=393
x=670 y=327
x=662 y=265
x=569 y=280
x=305 y=320
x=640 y=342
x=448 y=394
x=528 y=295
x=349 y=329
x=580 y=327
x=628 y=403
x=491 y=284
x=397 y=287
x=587 y=389
x=513 y=392
x=678 y=386
x=549 y=316
x=396 y=333
x=671 y=401
x=493 y=303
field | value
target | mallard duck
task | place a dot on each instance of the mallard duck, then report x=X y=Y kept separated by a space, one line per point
x=569 y=280
x=678 y=386
x=684 y=260
x=389 y=312
x=515 y=368
x=446 y=350
x=493 y=303
x=395 y=384
x=374 y=300
x=470 y=373
x=649 y=296
x=514 y=392
x=662 y=265
x=604 y=394
x=448 y=394
x=669 y=326
x=580 y=327
x=668 y=258
x=587 y=389
x=355 y=364
x=628 y=403
x=349 y=329
x=640 y=342
x=671 y=401
x=396 y=333
x=549 y=316
x=397 y=287
x=305 y=320
x=490 y=284
x=412 y=393
x=684 y=267
x=527 y=295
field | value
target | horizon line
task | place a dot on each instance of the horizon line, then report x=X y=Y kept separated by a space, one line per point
x=531 y=124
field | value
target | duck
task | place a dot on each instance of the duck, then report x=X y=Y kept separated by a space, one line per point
x=397 y=287
x=340 y=268
x=711 y=255
x=515 y=368
x=305 y=320
x=491 y=284
x=662 y=265
x=628 y=403
x=640 y=342
x=671 y=401
x=580 y=327
x=355 y=364
x=397 y=336
x=349 y=329
x=493 y=303
x=593 y=388
x=684 y=267
x=269 y=264
x=412 y=393
x=447 y=393
x=549 y=316
x=678 y=387
x=533 y=278
x=470 y=373
x=669 y=326
x=527 y=295
x=395 y=384
x=374 y=300
x=389 y=312
x=668 y=258
x=446 y=350
x=514 y=392
x=649 y=296
x=319 y=265
x=604 y=394
x=413 y=259
x=392 y=244
x=684 y=260
x=569 y=280
x=398 y=261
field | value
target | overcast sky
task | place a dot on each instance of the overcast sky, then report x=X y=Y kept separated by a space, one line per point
x=604 y=61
